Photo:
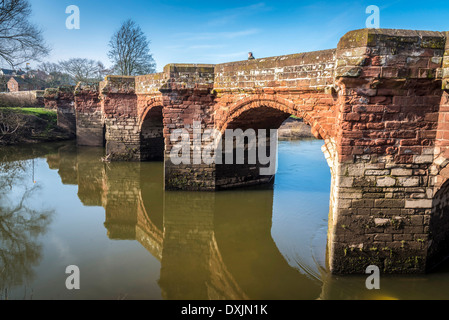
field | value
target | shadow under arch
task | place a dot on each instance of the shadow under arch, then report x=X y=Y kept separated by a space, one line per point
x=152 y=143
x=264 y=115
x=284 y=108
x=438 y=223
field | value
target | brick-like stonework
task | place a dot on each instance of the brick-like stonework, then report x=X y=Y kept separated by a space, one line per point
x=61 y=99
x=89 y=116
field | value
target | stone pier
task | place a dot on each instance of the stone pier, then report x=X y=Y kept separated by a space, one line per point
x=61 y=99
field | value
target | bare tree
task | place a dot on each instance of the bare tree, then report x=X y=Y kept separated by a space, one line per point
x=20 y=40
x=56 y=75
x=10 y=123
x=102 y=71
x=129 y=51
x=20 y=227
x=49 y=67
x=84 y=70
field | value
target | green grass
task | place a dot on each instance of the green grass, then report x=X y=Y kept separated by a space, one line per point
x=49 y=115
x=39 y=112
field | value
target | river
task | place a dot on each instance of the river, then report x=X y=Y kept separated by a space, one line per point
x=61 y=206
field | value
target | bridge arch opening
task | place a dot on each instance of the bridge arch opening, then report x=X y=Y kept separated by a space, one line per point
x=259 y=116
x=151 y=135
x=269 y=115
x=252 y=123
x=438 y=227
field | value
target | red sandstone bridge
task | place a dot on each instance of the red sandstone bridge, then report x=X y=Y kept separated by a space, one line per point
x=380 y=102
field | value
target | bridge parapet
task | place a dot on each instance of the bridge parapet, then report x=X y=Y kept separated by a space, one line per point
x=176 y=77
x=302 y=71
x=118 y=85
x=390 y=54
x=151 y=83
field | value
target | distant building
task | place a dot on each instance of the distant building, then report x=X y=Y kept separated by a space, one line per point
x=16 y=84
x=8 y=72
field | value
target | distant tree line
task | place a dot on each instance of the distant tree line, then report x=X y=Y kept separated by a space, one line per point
x=22 y=42
x=128 y=51
x=74 y=70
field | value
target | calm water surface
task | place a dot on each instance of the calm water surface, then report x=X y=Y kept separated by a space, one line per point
x=60 y=206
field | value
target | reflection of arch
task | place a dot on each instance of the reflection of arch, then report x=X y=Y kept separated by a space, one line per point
x=179 y=229
x=222 y=283
x=147 y=233
x=249 y=252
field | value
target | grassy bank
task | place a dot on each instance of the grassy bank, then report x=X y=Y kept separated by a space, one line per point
x=29 y=125
x=42 y=113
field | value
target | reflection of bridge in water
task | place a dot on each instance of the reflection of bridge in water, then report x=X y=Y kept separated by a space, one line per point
x=211 y=246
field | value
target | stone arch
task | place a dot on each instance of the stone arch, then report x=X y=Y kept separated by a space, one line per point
x=440 y=169
x=438 y=220
x=151 y=132
x=266 y=111
x=439 y=226
x=277 y=103
x=145 y=104
x=287 y=106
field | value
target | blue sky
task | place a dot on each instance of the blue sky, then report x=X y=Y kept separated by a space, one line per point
x=216 y=32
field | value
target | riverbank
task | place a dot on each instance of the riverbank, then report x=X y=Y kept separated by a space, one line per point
x=35 y=125
x=294 y=129
x=30 y=125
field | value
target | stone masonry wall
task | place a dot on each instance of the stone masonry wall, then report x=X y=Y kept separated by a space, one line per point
x=89 y=116
x=439 y=221
x=264 y=92
x=119 y=105
x=192 y=105
x=62 y=100
x=389 y=98
x=188 y=98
